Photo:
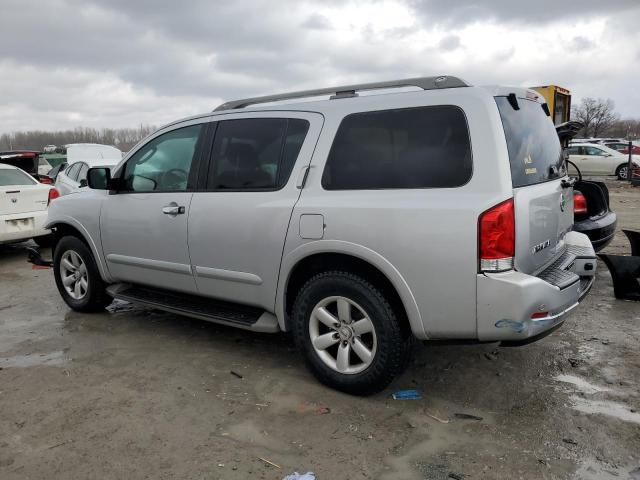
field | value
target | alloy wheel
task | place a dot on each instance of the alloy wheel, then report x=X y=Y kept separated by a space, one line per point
x=73 y=273
x=343 y=335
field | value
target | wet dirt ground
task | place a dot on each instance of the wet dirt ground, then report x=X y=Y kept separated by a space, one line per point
x=136 y=393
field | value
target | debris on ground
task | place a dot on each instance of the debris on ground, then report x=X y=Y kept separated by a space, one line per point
x=407 y=395
x=301 y=476
x=313 y=408
x=574 y=362
x=236 y=374
x=467 y=416
x=269 y=463
x=456 y=476
x=570 y=441
x=491 y=355
x=436 y=418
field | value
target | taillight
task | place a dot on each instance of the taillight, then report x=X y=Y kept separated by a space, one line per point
x=46 y=180
x=579 y=204
x=497 y=238
x=53 y=194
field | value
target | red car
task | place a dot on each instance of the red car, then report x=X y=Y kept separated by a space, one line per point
x=624 y=147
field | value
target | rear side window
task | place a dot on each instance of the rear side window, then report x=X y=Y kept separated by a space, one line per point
x=9 y=177
x=425 y=147
x=535 y=153
x=255 y=153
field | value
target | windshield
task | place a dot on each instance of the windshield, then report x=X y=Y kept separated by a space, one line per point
x=534 y=148
x=9 y=176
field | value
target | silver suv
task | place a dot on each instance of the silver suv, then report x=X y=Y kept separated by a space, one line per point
x=423 y=208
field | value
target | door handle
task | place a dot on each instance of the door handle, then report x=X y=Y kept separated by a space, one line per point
x=173 y=209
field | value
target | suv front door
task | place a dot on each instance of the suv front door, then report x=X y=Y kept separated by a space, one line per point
x=143 y=225
x=239 y=220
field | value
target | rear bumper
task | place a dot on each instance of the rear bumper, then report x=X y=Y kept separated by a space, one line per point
x=23 y=226
x=599 y=230
x=508 y=301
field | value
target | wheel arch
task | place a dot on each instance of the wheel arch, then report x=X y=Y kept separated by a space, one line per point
x=314 y=257
x=62 y=228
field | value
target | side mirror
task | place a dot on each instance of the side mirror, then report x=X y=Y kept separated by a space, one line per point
x=83 y=183
x=98 y=178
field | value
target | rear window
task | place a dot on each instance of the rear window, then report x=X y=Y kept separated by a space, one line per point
x=535 y=153
x=425 y=147
x=9 y=176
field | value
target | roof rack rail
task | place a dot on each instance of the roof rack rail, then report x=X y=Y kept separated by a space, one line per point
x=425 y=83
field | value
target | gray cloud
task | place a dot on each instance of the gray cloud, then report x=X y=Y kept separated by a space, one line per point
x=317 y=22
x=120 y=62
x=580 y=43
x=450 y=42
x=462 y=12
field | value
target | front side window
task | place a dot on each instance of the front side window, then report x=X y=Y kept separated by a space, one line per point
x=163 y=164
x=82 y=174
x=73 y=170
x=425 y=147
x=593 y=151
x=255 y=153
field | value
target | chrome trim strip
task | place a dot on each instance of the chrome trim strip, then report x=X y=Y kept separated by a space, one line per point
x=227 y=275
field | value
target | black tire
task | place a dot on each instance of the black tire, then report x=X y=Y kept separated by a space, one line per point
x=96 y=297
x=45 y=241
x=393 y=342
x=622 y=168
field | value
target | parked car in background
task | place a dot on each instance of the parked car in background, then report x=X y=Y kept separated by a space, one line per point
x=623 y=147
x=74 y=177
x=80 y=157
x=28 y=161
x=44 y=167
x=353 y=222
x=599 y=160
x=49 y=149
x=23 y=207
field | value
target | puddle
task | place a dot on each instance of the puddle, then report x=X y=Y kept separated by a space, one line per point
x=605 y=407
x=581 y=384
x=23 y=361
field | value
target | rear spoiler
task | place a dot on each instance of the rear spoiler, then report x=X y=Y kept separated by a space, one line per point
x=568 y=130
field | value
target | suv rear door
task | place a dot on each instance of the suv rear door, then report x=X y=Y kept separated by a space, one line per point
x=543 y=207
x=240 y=216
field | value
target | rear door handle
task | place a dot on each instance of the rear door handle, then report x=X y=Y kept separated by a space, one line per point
x=173 y=209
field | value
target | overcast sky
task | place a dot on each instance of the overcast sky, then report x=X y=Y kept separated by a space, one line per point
x=119 y=63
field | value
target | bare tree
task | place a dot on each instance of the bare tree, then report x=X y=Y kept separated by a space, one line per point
x=598 y=116
x=123 y=138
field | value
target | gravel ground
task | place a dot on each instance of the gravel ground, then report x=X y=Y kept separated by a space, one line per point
x=136 y=393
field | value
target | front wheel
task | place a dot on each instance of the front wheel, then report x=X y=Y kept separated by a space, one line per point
x=349 y=334
x=77 y=276
x=622 y=172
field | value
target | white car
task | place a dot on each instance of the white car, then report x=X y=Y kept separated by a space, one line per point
x=597 y=159
x=74 y=176
x=81 y=157
x=23 y=207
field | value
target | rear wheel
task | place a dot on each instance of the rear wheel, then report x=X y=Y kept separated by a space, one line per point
x=349 y=334
x=77 y=276
x=622 y=172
